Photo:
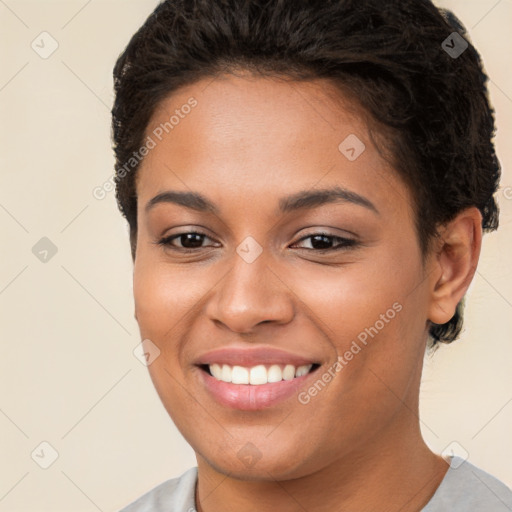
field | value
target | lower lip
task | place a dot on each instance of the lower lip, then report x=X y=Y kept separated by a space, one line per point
x=248 y=397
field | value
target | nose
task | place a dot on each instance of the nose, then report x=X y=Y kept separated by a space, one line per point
x=251 y=294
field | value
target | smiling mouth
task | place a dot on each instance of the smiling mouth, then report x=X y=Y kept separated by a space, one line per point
x=257 y=375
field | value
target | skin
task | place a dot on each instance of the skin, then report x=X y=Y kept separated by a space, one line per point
x=357 y=444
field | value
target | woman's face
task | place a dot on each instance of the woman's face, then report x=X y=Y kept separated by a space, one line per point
x=260 y=289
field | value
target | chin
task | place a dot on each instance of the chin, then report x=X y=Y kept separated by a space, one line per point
x=249 y=465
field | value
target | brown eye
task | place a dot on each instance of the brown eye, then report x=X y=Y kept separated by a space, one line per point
x=324 y=242
x=187 y=242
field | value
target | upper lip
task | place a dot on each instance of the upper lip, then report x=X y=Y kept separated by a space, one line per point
x=253 y=356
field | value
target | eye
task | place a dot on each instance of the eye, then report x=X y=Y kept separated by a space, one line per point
x=189 y=241
x=193 y=241
x=323 y=242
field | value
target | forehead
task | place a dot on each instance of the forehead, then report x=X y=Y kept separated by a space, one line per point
x=245 y=111
x=251 y=136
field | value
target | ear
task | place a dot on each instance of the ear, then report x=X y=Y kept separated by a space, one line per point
x=454 y=263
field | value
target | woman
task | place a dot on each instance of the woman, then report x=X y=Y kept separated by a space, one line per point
x=306 y=185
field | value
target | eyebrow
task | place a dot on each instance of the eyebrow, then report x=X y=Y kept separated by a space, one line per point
x=306 y=199
x=302 y=200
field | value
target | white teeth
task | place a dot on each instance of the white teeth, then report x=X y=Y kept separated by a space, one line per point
x=274 y=374
x=216 y=371
x=302 y=370
x=259 y=374
x=226 y=373
x=289 y=372
x=240 y=375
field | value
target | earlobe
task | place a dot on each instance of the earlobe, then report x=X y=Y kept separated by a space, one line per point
x=455 y=263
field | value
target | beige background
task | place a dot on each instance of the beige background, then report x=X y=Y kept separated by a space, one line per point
x=68 y=374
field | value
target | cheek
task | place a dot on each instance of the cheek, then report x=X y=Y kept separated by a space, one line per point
x=371 y=312
x=163 y=297
x=162 y=294
x=347 y=300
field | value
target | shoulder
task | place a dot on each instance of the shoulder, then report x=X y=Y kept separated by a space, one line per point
x=466 y=487
x=176 y=495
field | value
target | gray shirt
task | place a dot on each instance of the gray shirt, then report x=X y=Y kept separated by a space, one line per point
x=464 y=488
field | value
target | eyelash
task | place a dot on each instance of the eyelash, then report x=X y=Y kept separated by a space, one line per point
x=344 y=243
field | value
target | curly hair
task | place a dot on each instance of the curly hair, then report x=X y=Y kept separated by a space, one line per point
x=432 y=107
